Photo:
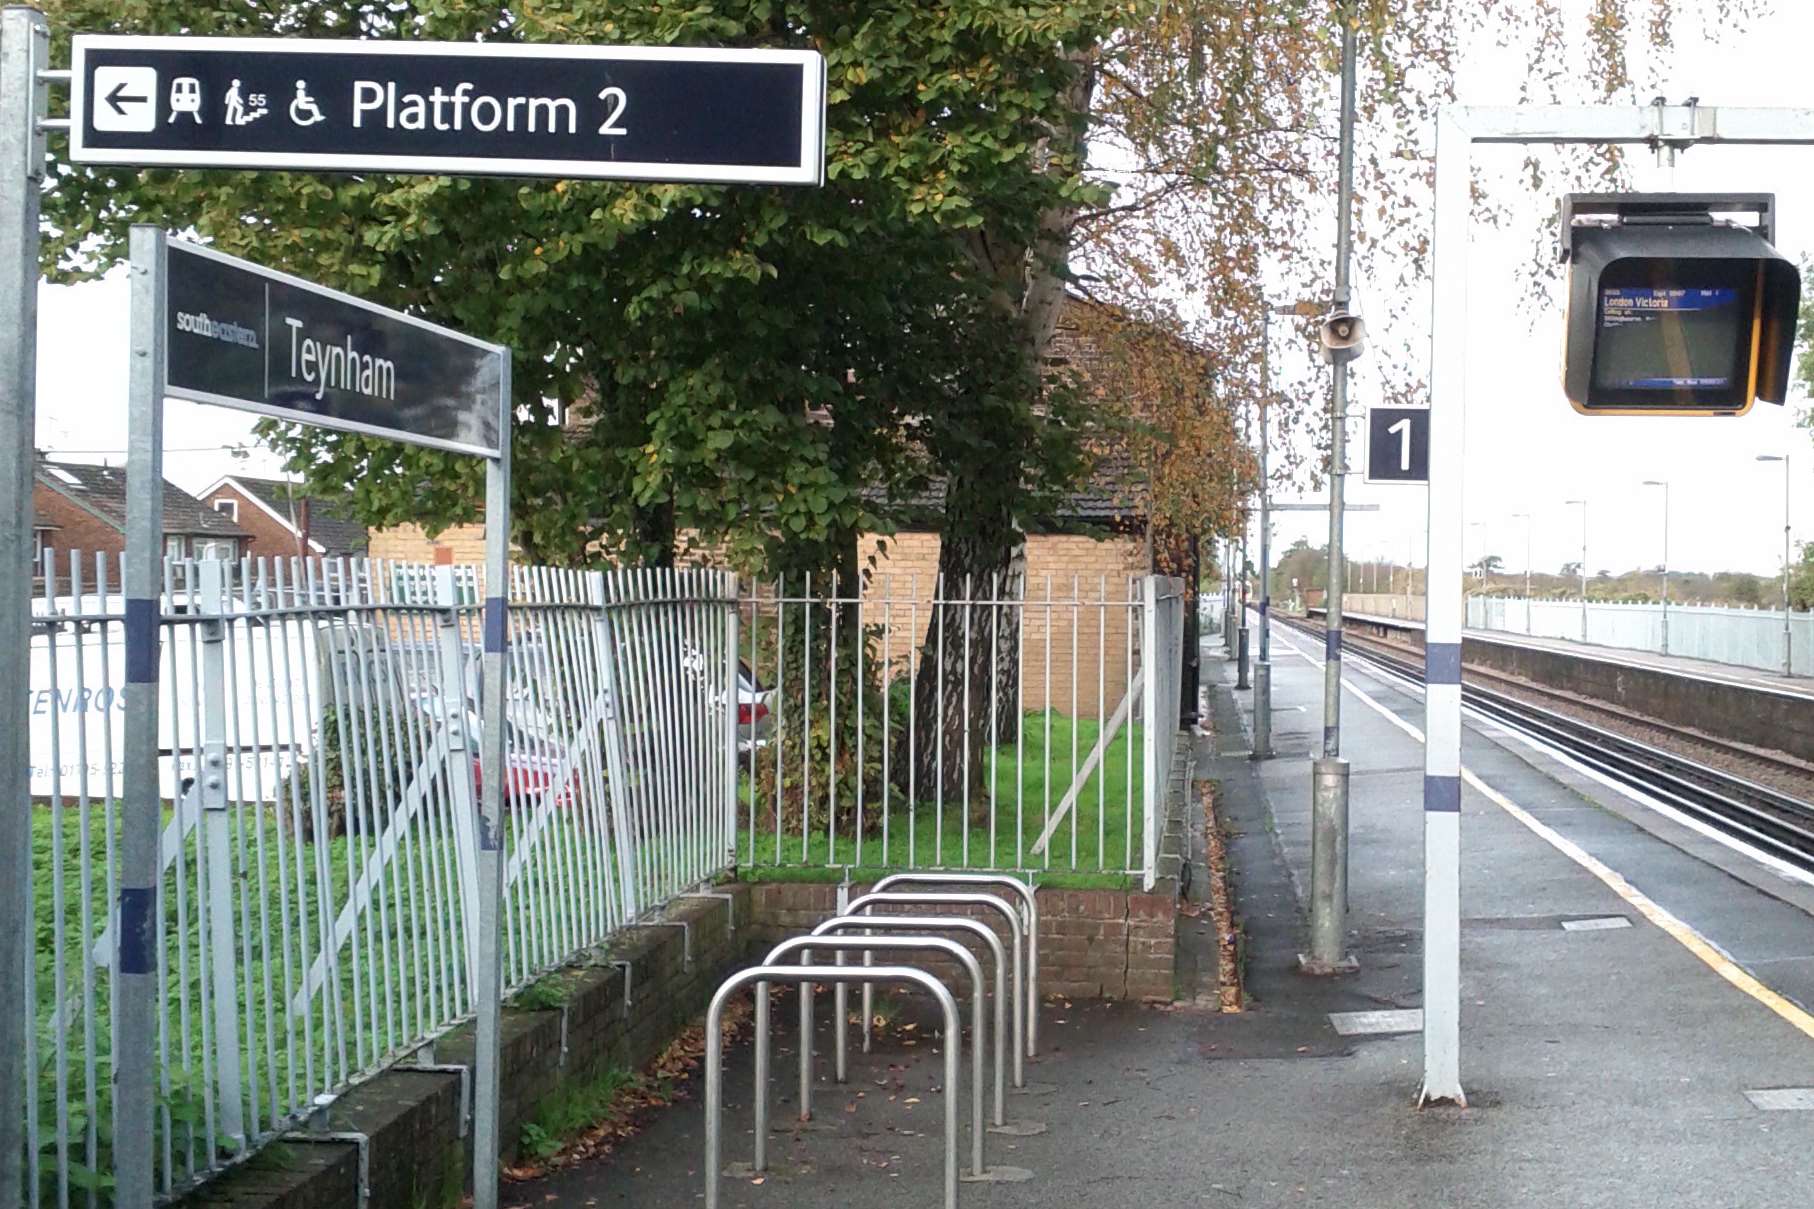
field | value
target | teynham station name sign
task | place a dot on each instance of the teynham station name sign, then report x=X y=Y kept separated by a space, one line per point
x=486 y=109
x=243 y=336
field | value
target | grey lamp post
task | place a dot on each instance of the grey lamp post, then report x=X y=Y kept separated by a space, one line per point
x=1664 y=484
x=1583 y=504
x=1788 y=661
x=1526 y=518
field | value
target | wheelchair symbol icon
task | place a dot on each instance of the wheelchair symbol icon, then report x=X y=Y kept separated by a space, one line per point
x=303 y=110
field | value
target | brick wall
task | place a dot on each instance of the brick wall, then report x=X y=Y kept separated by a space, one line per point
x=270 y=537
x=1093 y=944
x=77 y=529
x=409 y=543
x=1081 y=571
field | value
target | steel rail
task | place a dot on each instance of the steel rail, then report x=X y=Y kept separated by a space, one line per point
x=1773 y=821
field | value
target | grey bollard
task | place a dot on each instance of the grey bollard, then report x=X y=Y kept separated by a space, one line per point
x=1262 y=711
x=1241 y=658
x=1328 y=870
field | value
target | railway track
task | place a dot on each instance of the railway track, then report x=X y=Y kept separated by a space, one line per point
x=1766 y=818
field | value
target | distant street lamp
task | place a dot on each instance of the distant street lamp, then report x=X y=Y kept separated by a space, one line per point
x=1664 y=484
x=1583 y=504
x=1526 y=518
x=1788 y=663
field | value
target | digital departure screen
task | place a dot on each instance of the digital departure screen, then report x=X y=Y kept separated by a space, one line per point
x=1671 y=339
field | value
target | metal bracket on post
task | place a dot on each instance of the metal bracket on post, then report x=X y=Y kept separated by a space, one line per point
x=425 y=1062
x=686 y=936
x=629 y=971
x=730 y=904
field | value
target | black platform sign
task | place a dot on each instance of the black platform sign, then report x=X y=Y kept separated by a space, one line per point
x=462 y=108
x=1398 y=444
x=248 y=337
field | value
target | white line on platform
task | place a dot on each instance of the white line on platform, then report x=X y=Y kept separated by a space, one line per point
x=1680 y=932
x=1364 y=1024
x=1602 y=923
x=1782 y=1099
x=1490 y=727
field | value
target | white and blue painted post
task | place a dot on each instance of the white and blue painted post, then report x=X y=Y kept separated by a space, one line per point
x=1458 y=128
x=487 y=1127
x=135 y=956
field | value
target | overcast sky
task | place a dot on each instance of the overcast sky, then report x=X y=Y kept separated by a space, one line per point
x=1527 y=450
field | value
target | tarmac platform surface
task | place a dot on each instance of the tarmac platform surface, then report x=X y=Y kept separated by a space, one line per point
x=1605 y=1066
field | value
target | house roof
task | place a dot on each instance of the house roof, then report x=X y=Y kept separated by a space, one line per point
x=101 y=490
x=332 y=529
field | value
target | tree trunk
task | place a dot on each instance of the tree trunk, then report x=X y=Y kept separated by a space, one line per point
x=969 y=650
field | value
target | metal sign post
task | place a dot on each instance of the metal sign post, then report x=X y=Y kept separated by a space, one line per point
x=24 y=50
x=216 y=329
x=1458 y=129
x=1328 y=952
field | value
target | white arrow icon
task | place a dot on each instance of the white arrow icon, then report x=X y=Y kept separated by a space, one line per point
x=124 y=99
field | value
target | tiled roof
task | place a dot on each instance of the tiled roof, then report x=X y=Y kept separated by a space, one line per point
x=102 y=490
x=331 y=522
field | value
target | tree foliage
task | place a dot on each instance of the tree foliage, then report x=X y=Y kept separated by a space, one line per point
x=738 y=363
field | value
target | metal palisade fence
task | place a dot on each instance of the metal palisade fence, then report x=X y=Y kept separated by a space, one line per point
x=907 y=723
x=319 y=779
x=1722 y=634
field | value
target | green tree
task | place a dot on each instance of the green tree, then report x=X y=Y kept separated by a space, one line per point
x=1801 y=579
x=765 y=369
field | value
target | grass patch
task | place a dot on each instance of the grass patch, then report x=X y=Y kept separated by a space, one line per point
x=571 y=1111
x=1097 y=842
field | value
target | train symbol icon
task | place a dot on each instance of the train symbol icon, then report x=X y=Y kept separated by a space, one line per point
x=186 y=97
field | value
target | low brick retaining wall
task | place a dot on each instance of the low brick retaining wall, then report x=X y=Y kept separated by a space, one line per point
x=1093 y=944
x=1109 y=944
x=417 y=1152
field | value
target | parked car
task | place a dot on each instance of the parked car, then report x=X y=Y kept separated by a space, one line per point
x=755 y=710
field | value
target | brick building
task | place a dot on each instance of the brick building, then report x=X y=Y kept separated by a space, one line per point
x=1085 y=555
x=283 y=523
x=77 y=508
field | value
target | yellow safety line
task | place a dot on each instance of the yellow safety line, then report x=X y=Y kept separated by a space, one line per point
x=1677 y=930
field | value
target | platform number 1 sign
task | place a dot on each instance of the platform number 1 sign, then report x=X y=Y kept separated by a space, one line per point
x=1398 y=445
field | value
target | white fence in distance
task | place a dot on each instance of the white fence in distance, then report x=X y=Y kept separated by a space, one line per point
x=1721 y=634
